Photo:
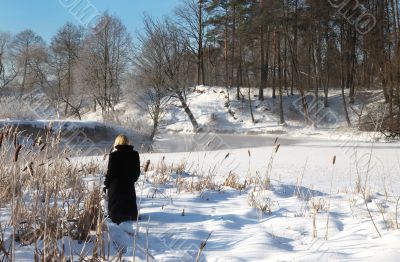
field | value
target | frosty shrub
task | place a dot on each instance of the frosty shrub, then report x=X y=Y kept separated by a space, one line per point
x=259 y=199
x=11 y=108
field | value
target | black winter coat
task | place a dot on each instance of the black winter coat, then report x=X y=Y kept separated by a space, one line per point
x=122 y=173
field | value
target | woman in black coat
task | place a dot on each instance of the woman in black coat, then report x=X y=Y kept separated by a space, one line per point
x=122 y=173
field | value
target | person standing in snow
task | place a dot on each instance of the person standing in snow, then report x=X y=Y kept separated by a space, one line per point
x=122 y=173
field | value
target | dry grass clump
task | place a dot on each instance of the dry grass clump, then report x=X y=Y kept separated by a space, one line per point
x=317 y=205
x=159 y=179
x=233 y=181
x=205 y=183
x=180 y=168
x=90 y=215
x=259 y=199
x=161 y=174
x=196 y=183
x=46 y=194
x=200 y=180
x=258 y=196
x=266 y=180
x=162 y=167
x=91 y=168
x=178 y=177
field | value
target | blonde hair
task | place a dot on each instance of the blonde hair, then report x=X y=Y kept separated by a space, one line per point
x=121 y=140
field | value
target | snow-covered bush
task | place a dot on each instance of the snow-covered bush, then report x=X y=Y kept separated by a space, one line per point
x=11 y=108
x=259 y=199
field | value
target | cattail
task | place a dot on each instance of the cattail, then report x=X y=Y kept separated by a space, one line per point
x=15 y=140
x=8 y=131
x=334 y=160
x=146 y=166
x=43 y=147
x=49 y=130
x=30 y=169
x=202 y=246
x=277 y=148
x=16 y=154
x=58 y=139
x=227 y=155
x=248 y=152
x=276 y=140
x=1 y=139
x=37 y=141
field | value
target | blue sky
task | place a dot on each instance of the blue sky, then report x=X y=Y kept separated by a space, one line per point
x=45 y=17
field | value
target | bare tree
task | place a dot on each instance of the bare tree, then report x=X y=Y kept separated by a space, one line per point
x=191 y=21
x=28 y=50
x=65 y=48
x=278 y=51
x=105 y=60
x=170 y=46
x=148 y=62
x=7 y=67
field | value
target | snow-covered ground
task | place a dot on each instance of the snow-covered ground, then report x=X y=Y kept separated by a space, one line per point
x=210 y=108
x=305 y=184
x=325 y=193
x=241 y=233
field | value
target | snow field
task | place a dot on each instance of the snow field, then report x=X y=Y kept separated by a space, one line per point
x=305 y=186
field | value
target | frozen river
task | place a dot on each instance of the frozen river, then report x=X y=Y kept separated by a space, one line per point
x=171 y=143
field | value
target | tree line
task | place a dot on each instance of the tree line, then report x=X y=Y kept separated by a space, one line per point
x=78 y=67
x=292 y=47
